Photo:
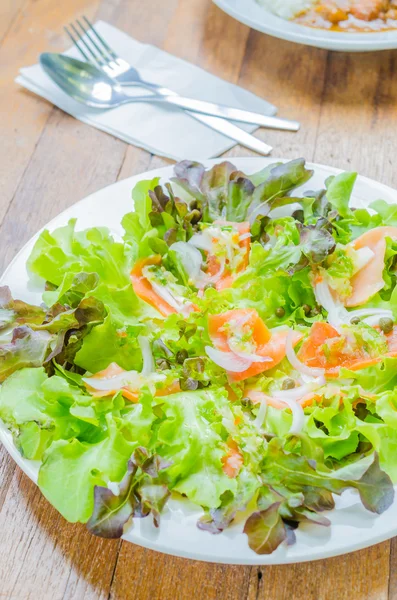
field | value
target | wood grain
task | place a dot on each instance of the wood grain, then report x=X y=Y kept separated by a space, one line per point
x=9 y=10
x=346 y=104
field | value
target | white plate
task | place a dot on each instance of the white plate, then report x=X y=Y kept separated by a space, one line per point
x=252 y=14
x=352 y=526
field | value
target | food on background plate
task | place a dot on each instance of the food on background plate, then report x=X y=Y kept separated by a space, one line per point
x=338 y=15
x=237 y=348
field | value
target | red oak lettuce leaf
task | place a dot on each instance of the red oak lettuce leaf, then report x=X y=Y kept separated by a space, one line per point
x=265 y=530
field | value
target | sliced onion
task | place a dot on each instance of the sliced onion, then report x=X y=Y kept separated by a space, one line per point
x=166 y=295
x=285 y=211
x=337 y=313
x=363 y=312
x=260 y=417
x=294 y=394
x=244 y=236
x=228 y=360
x=112 y=383
x=252 y=357
x=190 y=258
x=298 y=416
x=180 y=305
x=296 y=363
x=247 y=355
x=372 y=321
x=147 y=356
x=299 y=392
x=201 y=241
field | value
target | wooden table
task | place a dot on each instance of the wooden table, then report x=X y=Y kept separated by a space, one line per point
x=348 y=108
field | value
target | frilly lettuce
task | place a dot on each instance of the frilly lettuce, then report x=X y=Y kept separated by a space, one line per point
x=154 y=446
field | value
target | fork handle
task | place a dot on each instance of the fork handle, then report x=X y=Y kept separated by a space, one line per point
x=227 y=129
x=219 y=110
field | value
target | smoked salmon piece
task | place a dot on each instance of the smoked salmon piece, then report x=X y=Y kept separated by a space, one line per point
x=113 y=370
x=244 y=319
x=273 y=349
x=313 y=352
x=233 y=460
x=369 y=280
x=143 y=288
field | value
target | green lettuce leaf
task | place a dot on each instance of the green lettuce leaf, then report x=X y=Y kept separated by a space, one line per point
x=193 y=438
x=66 y=251
x=40 y=410
x=71 y=469
x=339 y=191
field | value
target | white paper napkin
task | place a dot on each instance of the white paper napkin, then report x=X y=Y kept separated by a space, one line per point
x=160 y=129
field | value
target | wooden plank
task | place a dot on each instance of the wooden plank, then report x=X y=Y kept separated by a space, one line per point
x=41 y=557
x=57 y=177
x=361 y=575
x=157 y=576
x=393 y=570
x=202 y=39
x=37 y=28
x=9 y=10
x=365 y=91
x=291 y=77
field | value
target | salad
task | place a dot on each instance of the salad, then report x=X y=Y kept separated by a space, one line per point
x=237 y=348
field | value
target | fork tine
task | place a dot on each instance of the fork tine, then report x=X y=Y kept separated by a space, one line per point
x=98 y=59
x=93 y=42
x=76 y=43
x=100 y=38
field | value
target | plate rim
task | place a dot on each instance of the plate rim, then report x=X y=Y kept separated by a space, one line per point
x=134 y=536
x=318 y=38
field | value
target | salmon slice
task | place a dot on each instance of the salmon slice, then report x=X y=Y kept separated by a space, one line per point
x=144 y=289
x=369 y=280
x=113 y=370
x=233 y=460
x=273 y=349
x=271 y=346
x=246 y=318
x=213 y=263
x=312 y=352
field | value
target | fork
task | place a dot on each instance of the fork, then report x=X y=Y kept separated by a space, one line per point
x=96 y=50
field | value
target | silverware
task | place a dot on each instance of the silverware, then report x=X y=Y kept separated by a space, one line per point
x=87 y=84
x=120 y=70
x=104 y=56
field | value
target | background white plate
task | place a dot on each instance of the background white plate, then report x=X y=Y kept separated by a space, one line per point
x=352 y=526
x=252 y=14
